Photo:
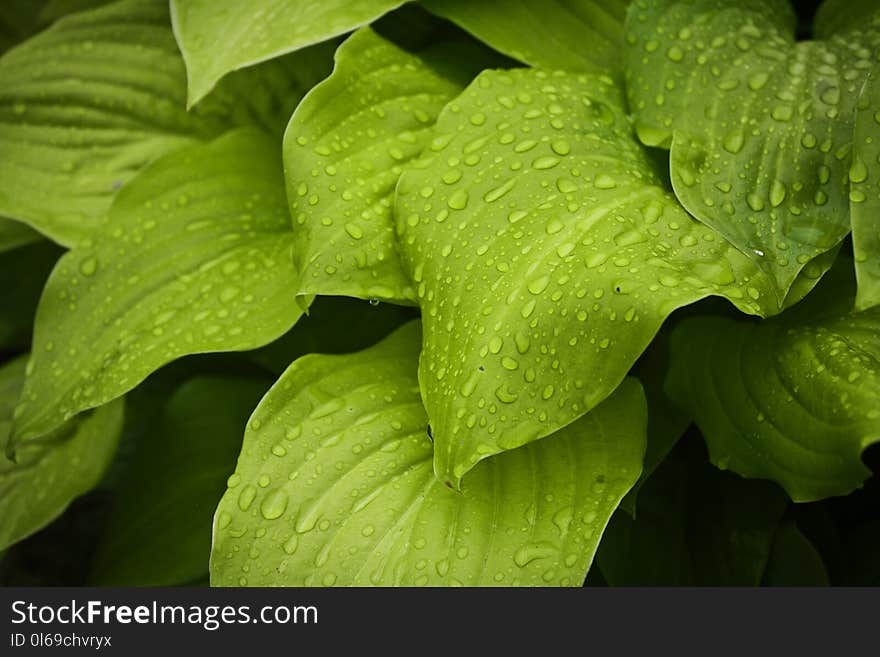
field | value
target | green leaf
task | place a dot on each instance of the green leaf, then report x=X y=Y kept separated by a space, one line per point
x=864 y=194
x=794 y=561
x=49 y=474
x=194 y=257
x=344 y=150
x=88 y=102
x=14 y=234
x=216 y=40
x=547 y=254
x=159 y=532
x=795 y=399
x=334 y=486
x=23 y=272
x=696 y=526
x=760 y=126
x=574 y=35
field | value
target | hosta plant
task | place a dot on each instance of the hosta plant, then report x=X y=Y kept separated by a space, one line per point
x=441 y=292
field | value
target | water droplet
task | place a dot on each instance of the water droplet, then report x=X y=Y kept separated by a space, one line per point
x=88 y=266
x=291 y=544
x=733 y=142
x=459 y=200
x=782 y=112
x=604 y=181
x=539 y=285
x=355 y=231
x=246 y=497
x=494 y=194
x=858 y=172
x=560 y=147
x=545 y=162
x=505 y=395
x=531 y=552
x=452 y=176
x=777 y=193
x=675 y=54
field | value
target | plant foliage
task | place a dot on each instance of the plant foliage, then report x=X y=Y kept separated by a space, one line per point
x=439 y=293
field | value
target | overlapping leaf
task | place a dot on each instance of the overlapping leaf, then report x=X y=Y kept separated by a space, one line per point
x=864 y=194
x=334 y=486
x=546 y=253
x=344 y=150
x=795 y=399
x=194 y=257
x=217 y=38
x=49 y=474
x=574 y=35
x=88 y=102
x=159 y=533
x=760 y=127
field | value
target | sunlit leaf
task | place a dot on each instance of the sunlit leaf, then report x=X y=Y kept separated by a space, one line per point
x=334 y=486
x=49 y=474
x=217 y=38
x=344 y=150
x=547 y=253
x=194 y=257
x=760 y=125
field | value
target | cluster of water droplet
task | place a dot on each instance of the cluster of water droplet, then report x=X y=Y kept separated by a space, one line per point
x=762 y=124
x=545 y=254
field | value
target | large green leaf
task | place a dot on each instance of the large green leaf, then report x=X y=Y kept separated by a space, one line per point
x=159 y=533
x=49 y=474
x=344 y=150
x=546 y=253
x=217 y=38
x=194 y=257
x=574 y=35
x=795 y=399
x=695 y=526
x=87 y=103
x=760 y=126
x=865 y=194
x=23 y=273
x=334 y=486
